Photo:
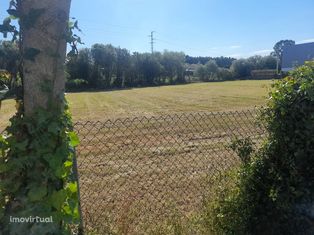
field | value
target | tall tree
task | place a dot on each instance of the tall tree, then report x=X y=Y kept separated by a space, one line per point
x=278 y=49
x=80 y=66
x=105 y=58
x=211 y=69
x=241 y=68
x=122 y=65
x=44 y=49
x=36 y=155
x=173 y=64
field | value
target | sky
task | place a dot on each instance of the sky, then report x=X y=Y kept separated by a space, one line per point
x=235 y=28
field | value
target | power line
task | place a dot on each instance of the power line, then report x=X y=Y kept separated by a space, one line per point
x=183 y=46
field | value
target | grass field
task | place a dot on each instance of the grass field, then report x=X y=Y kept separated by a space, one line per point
x=135 y=173
x=215 y=96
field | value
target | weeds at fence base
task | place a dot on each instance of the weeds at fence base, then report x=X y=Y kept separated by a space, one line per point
x=222 y=186
x=129 y=220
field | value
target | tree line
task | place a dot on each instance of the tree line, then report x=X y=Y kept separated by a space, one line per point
x=222 y=61
x=108 y=67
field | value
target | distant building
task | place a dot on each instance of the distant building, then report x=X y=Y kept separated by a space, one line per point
x=296 y=55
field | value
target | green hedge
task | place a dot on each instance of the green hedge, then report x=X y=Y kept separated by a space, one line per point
x=274 y=190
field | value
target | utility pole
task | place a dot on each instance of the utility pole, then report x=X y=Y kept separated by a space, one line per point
x=152 y=40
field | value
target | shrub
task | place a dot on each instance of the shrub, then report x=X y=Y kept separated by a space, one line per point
x=5 y=78
x=76 y=84
x=201 y=73
x=274 y=191
x=241 y=68
x=224 y=74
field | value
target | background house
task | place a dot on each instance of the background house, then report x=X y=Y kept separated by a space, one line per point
x=296 y=55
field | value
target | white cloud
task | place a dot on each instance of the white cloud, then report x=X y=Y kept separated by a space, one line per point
x=235 y=46
x=305 y=40
x=237 y=56
x=262 y=52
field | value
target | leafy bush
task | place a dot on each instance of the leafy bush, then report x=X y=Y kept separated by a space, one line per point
x=5 y=78
x=201 y=73
x=244 y=148
x=241 y=68
x=274 y=191
x=224 y=74
x=76 y=84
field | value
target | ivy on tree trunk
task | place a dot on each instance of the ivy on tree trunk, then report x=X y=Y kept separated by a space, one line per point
x=43 y=32
x=37 y=153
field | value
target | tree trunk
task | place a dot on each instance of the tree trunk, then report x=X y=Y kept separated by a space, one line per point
x=44 y=47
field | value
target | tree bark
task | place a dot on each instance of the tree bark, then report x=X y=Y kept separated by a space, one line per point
x=43 y=72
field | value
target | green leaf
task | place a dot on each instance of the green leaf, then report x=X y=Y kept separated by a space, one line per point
x=59 y=172
x=68 y=164
x=36 y=194
x=67 y=210
x=58 y=198
x=53 y=128
x=4 y=168
x=54 y=161
x=72 y=52
x=13 y=12
x=74 y=140
x=72 y=187
x=7 y=21
x=22 y=145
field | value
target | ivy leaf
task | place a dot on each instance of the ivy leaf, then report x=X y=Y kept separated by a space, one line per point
x=37 y=193
x=74 y=140
x=72 y=52
x=7 y=21
x=53 y=128
x=68 y=164
x=31 y=53
x=4 y=168
x=58 y=198
x=72 y=187
x=13 y=12
x=22 y=145
x=54 y=161
x=76 y=26
x=67 y=210
x=6 y=27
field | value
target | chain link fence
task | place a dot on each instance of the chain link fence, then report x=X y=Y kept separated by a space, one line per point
x=137 y=171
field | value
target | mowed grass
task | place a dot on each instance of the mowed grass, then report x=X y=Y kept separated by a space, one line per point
x=215 y=96
x=134 y=176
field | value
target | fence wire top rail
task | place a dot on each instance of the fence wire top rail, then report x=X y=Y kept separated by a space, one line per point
x=176 y=115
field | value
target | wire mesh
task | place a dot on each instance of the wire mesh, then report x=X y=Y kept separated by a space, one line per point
x=137 y=170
